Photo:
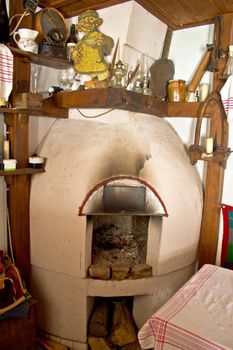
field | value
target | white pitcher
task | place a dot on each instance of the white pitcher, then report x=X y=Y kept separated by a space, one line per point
x=27 y=39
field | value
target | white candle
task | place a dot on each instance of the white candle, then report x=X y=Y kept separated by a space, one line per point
x=6 y=149
x=209 y=145
x=204 y=91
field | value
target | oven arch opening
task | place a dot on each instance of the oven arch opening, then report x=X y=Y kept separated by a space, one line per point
x=123 y=195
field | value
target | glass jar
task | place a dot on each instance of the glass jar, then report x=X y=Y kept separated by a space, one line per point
x=176 y=90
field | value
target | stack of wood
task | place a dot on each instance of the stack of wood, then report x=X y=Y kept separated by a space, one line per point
x=119 y=272
x=112 y=327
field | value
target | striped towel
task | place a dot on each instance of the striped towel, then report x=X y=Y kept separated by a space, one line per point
x=227 y=97
x=198 y=317
x=6 y=74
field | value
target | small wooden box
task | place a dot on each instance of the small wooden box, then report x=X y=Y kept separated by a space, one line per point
x=27 y=100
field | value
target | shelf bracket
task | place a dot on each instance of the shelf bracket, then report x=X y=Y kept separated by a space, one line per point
x=221 y=151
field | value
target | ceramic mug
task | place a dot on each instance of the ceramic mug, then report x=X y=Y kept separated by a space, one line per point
x=27 y=39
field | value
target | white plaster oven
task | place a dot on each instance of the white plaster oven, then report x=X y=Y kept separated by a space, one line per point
x=82 y=157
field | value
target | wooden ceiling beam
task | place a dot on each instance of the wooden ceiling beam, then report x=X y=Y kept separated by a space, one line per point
x=71 y=8
x=154 y=9
x=177 y=14
x=56 y=3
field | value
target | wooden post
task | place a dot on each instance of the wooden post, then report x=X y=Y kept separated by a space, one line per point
x=215 y=172
x=18 y=206
x=213 y=191
x=227 y=39
x=19 y=186
x=18 y=193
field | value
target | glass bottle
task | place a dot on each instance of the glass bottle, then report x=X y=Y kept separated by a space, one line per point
x=229 y=66
x=72 y=37
x=71 y=42
x=4 y=23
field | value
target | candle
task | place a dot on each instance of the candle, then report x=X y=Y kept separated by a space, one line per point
x=209 y=145
x=6 y=149
x=204 y=91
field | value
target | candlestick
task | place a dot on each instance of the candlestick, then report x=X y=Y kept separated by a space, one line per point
x=209 y=145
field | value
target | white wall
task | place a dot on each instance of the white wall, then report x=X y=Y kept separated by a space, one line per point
x=188 y=46
x=187 y=49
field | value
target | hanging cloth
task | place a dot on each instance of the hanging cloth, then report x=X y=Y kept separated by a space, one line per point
x=6 y=74
x=227 y=97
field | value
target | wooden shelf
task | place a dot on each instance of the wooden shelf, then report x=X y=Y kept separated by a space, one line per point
x=187 y=109
x=110 y=98
x=48 y=61
x=48 y=110
x=57 y=106
x=23 y=171
x=128 y=100
x=220 y=155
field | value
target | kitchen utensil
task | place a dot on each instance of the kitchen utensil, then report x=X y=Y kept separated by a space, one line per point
x=51 y=25
x=112 y=65
x=162 y=70
x=26 y=40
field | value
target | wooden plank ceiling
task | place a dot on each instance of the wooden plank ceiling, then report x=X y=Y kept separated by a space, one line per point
x=176 y=14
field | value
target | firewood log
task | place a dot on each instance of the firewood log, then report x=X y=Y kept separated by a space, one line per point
x=98 y=321
x=123 y=328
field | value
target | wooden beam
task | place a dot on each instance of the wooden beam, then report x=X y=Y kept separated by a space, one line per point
x=18 y=206
x=19 y=186
x=72 y=8
x=186 y=109
x=18 y=193
x=17 y=126
x=213 y=191
x=215 y=172
x=48 y=61
x=227 y=39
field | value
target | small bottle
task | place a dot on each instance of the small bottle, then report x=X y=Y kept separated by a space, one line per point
x=4 y=23
x=229 y=66
x=197 y=98
x=71 y=42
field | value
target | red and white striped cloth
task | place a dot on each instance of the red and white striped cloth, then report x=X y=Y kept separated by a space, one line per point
x=198 y=317
x=227 y=97
x=6 y=72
